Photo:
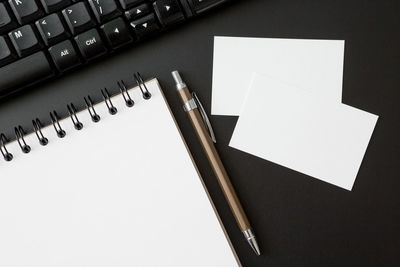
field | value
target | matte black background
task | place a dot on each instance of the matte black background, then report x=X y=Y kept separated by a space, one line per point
x=299 y=221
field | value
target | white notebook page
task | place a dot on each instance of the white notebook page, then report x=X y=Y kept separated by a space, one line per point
x=120 y=192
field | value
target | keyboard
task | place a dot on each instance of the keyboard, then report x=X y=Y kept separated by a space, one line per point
x=42 y=39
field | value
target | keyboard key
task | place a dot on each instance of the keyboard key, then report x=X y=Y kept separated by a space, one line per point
x=6 y=54
x=138 y=12
x=130 y=3
x=24 y=40
x=6 y=23
x=90 y=44
x=168 y=11
x=200 y=6
x=145 y=27
x=26 y=10
x=104 y=9
x=64 y=56
x=117 y=33
x=51 y=29
x=78 y=18
x=24 y=72
x=54 y=5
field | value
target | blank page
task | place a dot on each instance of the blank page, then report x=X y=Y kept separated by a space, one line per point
x=120 y=192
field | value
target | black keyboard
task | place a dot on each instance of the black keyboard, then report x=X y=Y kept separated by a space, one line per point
x=41 y=39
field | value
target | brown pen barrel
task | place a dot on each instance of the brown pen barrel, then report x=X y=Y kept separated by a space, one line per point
x=216 y=163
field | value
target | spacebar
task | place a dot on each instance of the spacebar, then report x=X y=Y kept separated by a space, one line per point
x=24 y=72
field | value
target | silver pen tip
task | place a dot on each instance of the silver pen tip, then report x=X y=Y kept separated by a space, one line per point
x=254 y=246
x=251 y=239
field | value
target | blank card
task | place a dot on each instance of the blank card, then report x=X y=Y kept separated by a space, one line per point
x=301 y=131
x=316 y=65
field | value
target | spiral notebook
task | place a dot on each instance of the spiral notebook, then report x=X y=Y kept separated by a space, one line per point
x=120 y=192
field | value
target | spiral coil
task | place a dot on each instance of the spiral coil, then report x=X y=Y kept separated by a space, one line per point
x=19 y=134
x=90 y=108
x=3 y=141
x=72 y=111
x=107 y=99
x=56 y=124
x=37 y=127
x=125 y=94
x=142 y=85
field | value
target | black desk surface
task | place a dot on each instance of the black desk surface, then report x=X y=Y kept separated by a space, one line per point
x=299 y=221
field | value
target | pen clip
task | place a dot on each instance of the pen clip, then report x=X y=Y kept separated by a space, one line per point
x=203 y=114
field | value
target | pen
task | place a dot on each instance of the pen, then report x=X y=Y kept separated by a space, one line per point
x=205 y=133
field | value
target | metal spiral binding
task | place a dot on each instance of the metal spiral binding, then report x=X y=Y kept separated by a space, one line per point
x=37 y=124
x=142 y=85
x=72 y=113
x=19 y=133
x=56 y=124
x=107 y=99
x=37 y=127
x=125 y=94
x=3 y=141
x=90 y=108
